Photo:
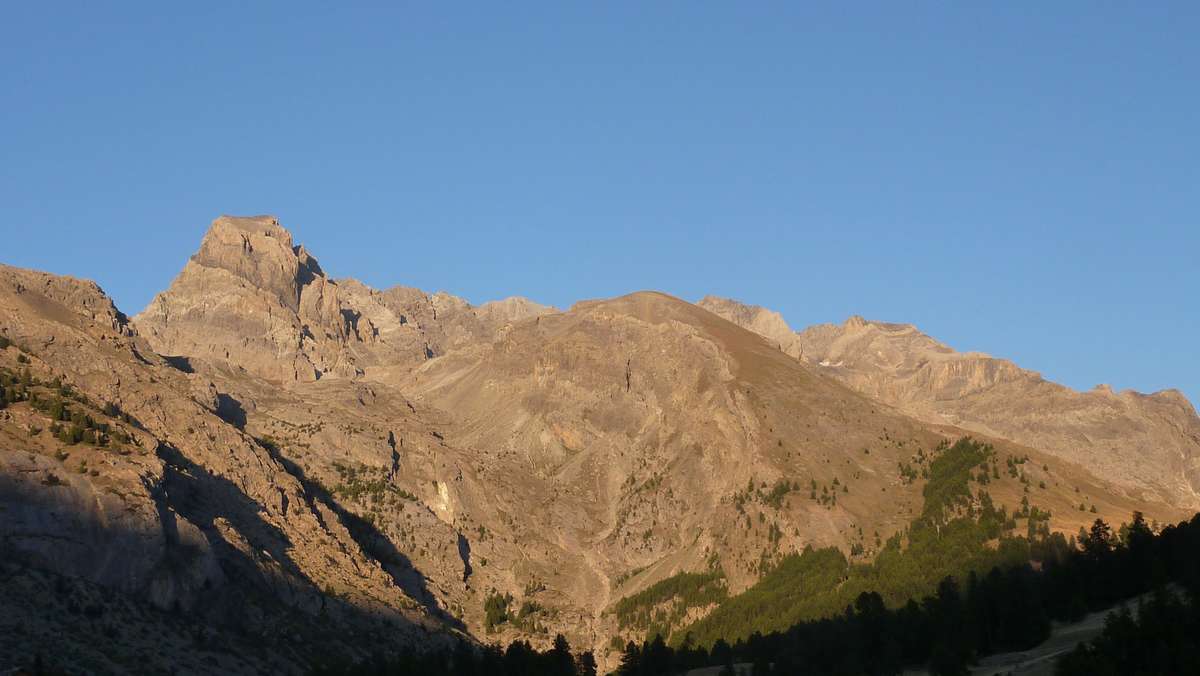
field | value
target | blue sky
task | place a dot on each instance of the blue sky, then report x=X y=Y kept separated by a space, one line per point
x=1018 y=178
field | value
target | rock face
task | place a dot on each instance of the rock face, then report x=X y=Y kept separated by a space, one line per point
x=251 y=298
x=497 y=313
x=402 y=327
x=1148 y=443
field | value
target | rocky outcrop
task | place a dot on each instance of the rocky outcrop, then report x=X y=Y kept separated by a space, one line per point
x=1148 y=443
x=497 y=313
x=406 y=326
x=250 y=298
x=766 y=323
x=63 y=295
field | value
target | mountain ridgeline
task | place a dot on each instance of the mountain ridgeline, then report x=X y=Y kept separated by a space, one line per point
x=1150 y=444
x=268 y=469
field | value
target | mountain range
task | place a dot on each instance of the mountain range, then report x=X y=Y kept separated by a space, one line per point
x=267 y=464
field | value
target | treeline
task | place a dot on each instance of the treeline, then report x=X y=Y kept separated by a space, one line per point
x=1164 y=638
x=66 y=409
x=950 y=537
x=1008 y=609
x=519 y=659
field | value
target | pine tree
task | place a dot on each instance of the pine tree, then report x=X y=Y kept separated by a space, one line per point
x=561 y=662
x=631 y=660
x=586 y=664
x=1098 y=542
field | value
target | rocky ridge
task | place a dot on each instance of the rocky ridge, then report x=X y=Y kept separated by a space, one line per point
x=1148 y=443
x=251 y=297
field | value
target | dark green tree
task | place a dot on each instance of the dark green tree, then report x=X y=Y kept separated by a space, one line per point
x=586 y=664
x=561 y=663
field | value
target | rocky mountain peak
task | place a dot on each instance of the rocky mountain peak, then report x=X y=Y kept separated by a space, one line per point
x=251 y=298
x=855 y=323
x=258 y=250
x=83 y=298
x=1175 y=398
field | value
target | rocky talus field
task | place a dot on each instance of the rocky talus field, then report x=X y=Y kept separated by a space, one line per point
x=267 y=465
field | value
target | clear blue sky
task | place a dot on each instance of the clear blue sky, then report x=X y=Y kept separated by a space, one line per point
x=1018 y=178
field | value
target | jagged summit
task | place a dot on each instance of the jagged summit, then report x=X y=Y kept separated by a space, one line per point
x=513 y=308
x=253 y=299
x=854 y=322
x=260 y=251
x=250 y=298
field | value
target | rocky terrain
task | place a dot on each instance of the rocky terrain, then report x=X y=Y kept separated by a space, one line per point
x=1149 y=444
x=315 y=466
x=117 y=470
x=251 y=298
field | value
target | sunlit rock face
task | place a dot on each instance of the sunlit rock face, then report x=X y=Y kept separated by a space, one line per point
x=250 y=298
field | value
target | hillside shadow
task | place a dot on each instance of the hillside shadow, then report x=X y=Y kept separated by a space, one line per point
x=246 y=592
x=179 y=363
x=204 y=499
x=377 y=545
x=231 y=411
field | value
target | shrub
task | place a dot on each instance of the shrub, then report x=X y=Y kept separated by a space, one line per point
x=495 y=608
